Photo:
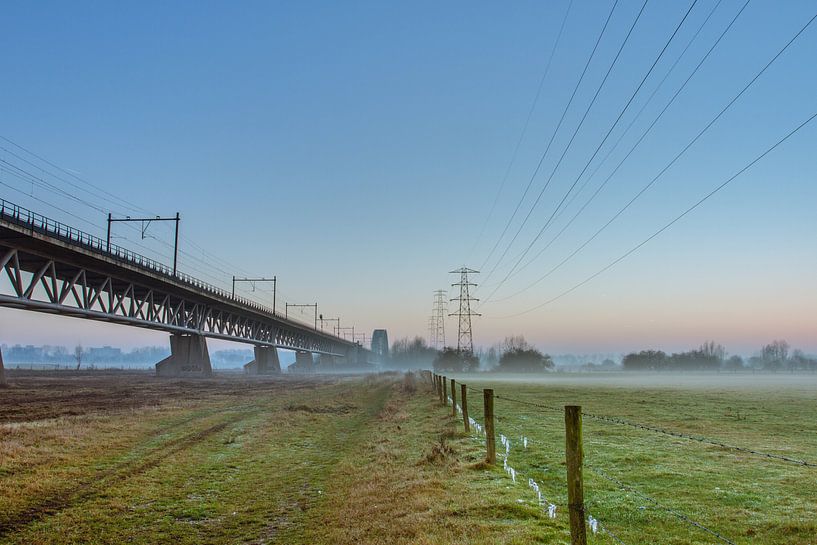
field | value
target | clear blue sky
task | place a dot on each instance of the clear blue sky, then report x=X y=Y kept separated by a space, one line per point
x=354 y=149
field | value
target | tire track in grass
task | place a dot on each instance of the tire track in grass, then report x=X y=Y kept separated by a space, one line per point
x=123 y=470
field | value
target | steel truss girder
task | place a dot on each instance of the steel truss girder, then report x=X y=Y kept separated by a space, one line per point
x=72 y=290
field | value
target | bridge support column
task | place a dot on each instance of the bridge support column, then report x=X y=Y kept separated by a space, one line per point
x=266 y=362
x=354 y=358
x=2 y=371
x=188 y=358
x=303 y=362
x=326 y=361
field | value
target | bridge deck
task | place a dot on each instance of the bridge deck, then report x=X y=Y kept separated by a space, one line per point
x=55 y=268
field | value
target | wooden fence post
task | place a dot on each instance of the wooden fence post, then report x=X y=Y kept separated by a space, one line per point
x=444 y=396
x=574 y=455
x=490 y=440
x=453 y=398
x=464 y=403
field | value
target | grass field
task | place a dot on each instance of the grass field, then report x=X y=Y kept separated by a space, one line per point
x=126 y=458
x=743 y=497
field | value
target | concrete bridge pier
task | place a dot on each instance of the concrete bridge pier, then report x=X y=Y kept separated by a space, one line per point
x=266 y=362
x=2 y=371
x=303 y=362
x=326 y=361
x=188 y=358
x=354 y=358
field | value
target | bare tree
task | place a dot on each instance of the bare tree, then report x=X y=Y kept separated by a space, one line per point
x=775 y=354
x=78 y=355
x=514 y=343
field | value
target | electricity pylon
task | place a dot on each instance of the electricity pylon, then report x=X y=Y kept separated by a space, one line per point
x=465 y=338
x=438 y=314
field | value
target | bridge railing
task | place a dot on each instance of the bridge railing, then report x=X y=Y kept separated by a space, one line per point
x=24 y=217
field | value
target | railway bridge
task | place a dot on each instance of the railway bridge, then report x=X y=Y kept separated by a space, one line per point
x=57 y=269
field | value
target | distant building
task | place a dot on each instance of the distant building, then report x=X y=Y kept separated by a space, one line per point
x=380 y=344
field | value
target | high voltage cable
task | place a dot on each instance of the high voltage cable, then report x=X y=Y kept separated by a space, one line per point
x=525 y=125
x=661 y=172
x=552 y=136
x=593 y=156
x=626 y=131
x=668 y=225
x=618 y=141
x=615 y=170
x=570 y=141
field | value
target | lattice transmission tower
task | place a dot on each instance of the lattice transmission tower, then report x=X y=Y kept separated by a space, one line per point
x=465 y=338
x=438 y=312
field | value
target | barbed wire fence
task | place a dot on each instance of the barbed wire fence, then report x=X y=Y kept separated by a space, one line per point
x=552 y=507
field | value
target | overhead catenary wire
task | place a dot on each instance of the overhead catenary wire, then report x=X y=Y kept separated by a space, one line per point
x=126 y=203
x=110 y=198
x=99 y=201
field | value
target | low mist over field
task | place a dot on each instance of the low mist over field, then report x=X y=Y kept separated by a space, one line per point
x=759 y=382
x=408 y=273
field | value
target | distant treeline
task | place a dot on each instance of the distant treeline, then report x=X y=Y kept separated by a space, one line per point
x=775 y=356
x=512 y=355
x=108 y=355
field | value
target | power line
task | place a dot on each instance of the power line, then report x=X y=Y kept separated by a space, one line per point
x=553 y=135
x=668 y=225
x=525 y=125
x=667 y=167
x=615 y=170
x=570 y=142
x=593 y=156
x=626 y=131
